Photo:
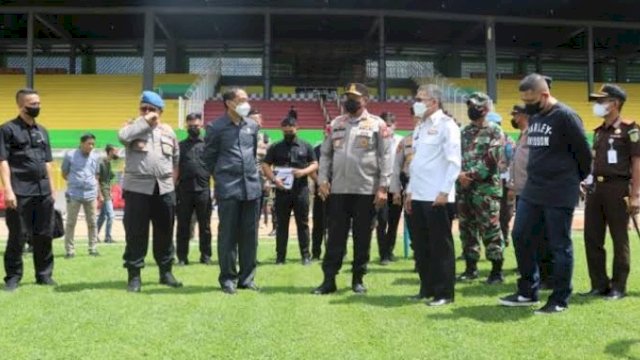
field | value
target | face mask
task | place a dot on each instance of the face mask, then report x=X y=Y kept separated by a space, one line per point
x=243 y=109
x=352 y=106
x=474 y=113
x=33 y=111
x=420 y=108
x=532 y=109
x=193 y=131
x=289 y=137
x=600 y=110
x=514 y=124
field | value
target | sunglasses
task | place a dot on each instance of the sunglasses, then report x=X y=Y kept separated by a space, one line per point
x=148 y=109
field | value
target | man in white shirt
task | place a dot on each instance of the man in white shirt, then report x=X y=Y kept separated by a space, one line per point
x=433 y=173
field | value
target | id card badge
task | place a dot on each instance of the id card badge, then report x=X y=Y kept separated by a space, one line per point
x=612 y=155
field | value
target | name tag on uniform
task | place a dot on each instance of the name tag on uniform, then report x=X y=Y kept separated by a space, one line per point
x=364 y=132
x=612 y=156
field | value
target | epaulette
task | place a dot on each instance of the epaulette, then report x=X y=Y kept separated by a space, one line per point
x=628 y=121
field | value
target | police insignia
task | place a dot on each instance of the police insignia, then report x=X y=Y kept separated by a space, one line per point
x=618 y=131
x=634 y=135
x=364 y=142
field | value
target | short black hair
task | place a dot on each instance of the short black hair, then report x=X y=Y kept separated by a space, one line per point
x=389 y=117
x=24 y=92
x=194 y=116
x=86 y=137
x=534 y=82
x=230 y=94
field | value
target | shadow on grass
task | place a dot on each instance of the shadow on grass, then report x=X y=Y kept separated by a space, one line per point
x=151 y=288
x=583 y=300
x=386 y=301
x=291 y=290
x=485 y=313
x=480 y=289
x=388 y=270
x=407 y=281
x=622 y=348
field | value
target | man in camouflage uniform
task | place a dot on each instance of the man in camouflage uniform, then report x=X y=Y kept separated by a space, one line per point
x=480 y=190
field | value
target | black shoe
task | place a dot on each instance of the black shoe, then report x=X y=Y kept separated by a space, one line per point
x=251 y=286
x=134 y=284
x=11 y=285
x=47 y=282
x=280 y=262
x=69 y=256
x=306 y=261
x=440 y=302
x=182 y=263
x=495 y=278
x=615 y=295
x=169 y=280
x=517 y=300
x=550 y=308
x=468 y=275
x=206 y=261
x=595 y=292
x=229 y=289
x=359 y=288
x=385 y=261
x=327 y=287
x=315 y=258
x=94 y=253
x=108 y=241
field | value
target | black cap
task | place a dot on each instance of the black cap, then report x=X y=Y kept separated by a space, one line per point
x=357 y=89
x=288 y=121
x=609 y=91
x=518 y=109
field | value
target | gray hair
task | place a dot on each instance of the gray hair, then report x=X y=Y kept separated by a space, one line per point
x=434 y=91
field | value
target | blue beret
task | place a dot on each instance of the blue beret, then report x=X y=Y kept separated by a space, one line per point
x=151 y=98
x=494 y=118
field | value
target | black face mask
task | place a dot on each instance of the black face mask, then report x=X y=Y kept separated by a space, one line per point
x=289 y=137
x=532 y=109
x=193 y=131
x=474 y=113
x=514 y=123
x=352 y=106
x=33 y=111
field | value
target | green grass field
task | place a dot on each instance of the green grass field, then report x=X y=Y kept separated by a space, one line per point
x=89 y=315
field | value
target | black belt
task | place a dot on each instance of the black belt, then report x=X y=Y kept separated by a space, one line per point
x=606 y=179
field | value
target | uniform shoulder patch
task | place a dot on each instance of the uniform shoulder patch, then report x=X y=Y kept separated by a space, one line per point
x=634 y=134
x=628 y=121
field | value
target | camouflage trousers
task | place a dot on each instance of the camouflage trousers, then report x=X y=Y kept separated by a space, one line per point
x=479 y=218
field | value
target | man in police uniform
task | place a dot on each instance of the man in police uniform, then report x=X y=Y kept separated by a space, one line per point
x=616 y=165
x=295 y=155
x=388 y=216
x=25 y=168
x=319 y=230
x=149 y=190
x=193 y=194
x=355 y=168
x=230 y=156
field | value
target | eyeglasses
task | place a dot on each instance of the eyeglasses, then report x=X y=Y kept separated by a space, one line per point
x=148 y=109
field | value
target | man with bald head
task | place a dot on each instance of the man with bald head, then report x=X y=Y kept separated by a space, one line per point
x=559 y=159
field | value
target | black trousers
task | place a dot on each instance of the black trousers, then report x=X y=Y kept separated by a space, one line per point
x=544 y=256
x=606 y=206
x=345 y=209
x=320 y=226
x=188 y=202
x=30 y=220
x=298 y=201
x=433 y=246
x=140 y=210
x=237 y=238
x=387 y=228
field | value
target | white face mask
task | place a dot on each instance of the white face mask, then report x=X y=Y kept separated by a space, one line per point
x=243 y=109
x=600 y=110
x=419 y=109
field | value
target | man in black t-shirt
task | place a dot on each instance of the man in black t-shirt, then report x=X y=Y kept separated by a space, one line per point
x=293 y=160
x=559 y=159
x=25 y=168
